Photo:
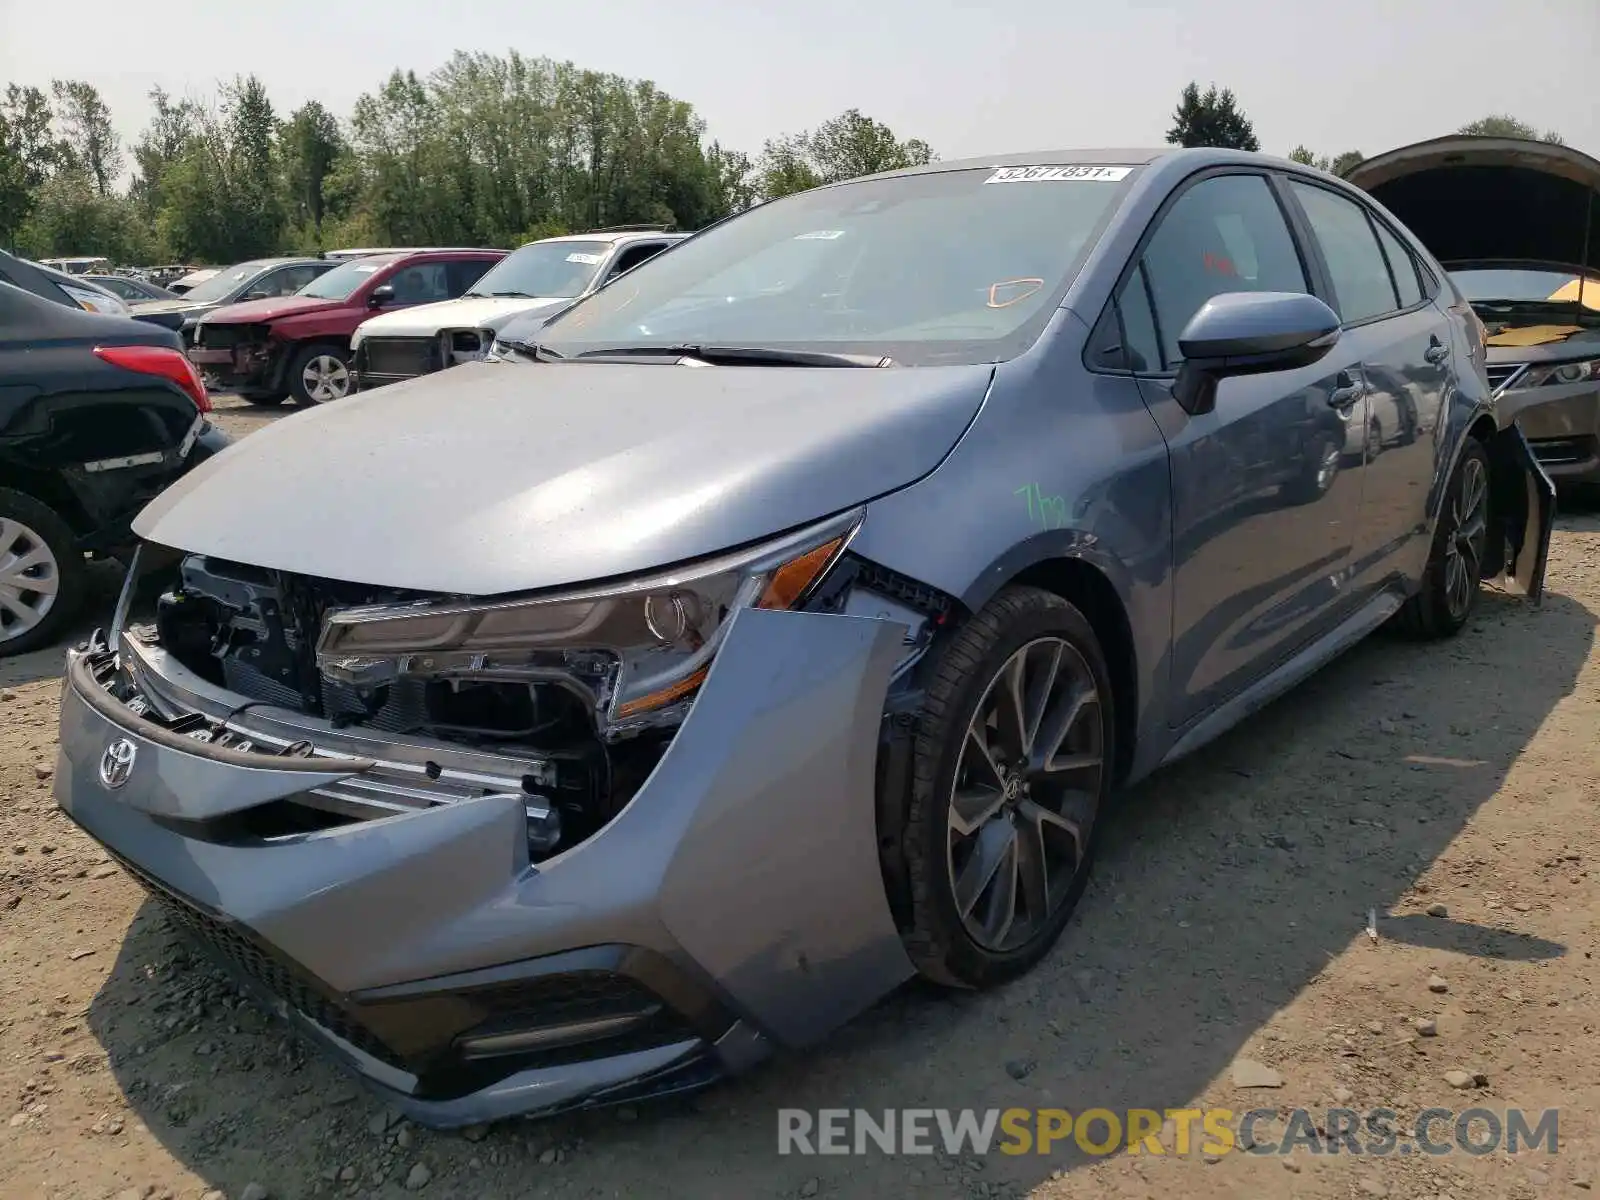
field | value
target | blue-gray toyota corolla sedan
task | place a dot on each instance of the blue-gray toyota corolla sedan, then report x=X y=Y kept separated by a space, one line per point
x=554 y=732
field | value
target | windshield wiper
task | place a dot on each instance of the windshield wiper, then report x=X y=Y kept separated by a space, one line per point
x=748 y=356
x=533 y=350
x=497 y=295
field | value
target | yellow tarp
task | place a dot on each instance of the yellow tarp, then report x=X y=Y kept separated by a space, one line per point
x=1538 y=335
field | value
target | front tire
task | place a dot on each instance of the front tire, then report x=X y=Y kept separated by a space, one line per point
x=319 y=374
x=264 y=399
x=1011 y=767
x=1460 y=537
x=41 y=574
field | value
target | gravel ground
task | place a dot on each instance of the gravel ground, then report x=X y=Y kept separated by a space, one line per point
x=1223 y=937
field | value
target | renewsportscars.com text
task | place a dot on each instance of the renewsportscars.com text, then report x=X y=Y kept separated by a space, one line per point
x=1174 y=1131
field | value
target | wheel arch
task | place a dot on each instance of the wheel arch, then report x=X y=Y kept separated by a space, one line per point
x=1087 y=588
x=53 y=492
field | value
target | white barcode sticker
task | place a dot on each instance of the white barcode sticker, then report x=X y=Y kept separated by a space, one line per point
x=1059 y=174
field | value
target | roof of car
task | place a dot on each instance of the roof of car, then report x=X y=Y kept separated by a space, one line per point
x=620 y=235
x=1195 y=157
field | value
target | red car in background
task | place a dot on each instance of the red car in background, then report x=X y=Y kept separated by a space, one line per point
x=299 y=346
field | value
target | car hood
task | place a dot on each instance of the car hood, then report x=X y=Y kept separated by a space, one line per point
x=171 y=306
x=270 y=310
x=486 y=479
x=469 y=312
x=1483 y=199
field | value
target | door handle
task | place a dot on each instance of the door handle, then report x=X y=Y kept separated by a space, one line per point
x=1437 y=351
x=1346 y=392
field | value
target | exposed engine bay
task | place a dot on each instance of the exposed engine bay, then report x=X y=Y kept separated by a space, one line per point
x=575 y=731
x=255 y=633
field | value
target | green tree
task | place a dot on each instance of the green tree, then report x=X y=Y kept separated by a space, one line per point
x=1302 y=154
x=162 y=143
x=312 y=145
x=785 y=167
x=70 y=216
x=92 y=144
x=1211 y=119
x=1505 y=125
x=734 y=176
x=846 y=147
x=256 y=201
x=1342 y=164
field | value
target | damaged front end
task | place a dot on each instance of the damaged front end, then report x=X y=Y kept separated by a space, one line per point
x=516 y=855
x=235 y=355
x=381 y=360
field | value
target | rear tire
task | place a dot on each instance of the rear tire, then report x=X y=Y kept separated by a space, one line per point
x=319 y=374
x=1460 y=536
x=41 y=574
x=1028 y=658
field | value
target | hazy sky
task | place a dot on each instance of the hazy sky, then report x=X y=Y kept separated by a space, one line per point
x=968 y=78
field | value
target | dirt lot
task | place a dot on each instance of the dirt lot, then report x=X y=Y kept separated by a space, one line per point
x=1226 y=921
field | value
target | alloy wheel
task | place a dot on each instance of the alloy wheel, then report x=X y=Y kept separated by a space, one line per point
x=1025 y=794
x=326 y=378
x=30 y=579
x=1463 y=553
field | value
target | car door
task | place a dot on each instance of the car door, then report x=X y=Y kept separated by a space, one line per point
x=1403 y=341
x=1266 y=487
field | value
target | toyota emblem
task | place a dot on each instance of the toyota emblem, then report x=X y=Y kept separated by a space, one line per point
x=116 y=764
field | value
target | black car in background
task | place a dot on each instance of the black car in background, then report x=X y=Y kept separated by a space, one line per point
x=97 y=415
x=259 y=279
x=75 y=291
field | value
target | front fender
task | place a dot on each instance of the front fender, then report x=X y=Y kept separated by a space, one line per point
x=1522 y=513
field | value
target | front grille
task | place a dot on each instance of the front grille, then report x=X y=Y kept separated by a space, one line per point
x=278 y=976
x=1501 y=374
x=403 y=357
x=224 y=337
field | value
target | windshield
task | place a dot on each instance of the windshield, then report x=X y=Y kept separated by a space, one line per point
x=944 y=267
x=1521 y=284
x=225 y=281
x=342 y=282
x=544 y=269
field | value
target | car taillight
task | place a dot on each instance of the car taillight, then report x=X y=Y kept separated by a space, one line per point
x=158 y=360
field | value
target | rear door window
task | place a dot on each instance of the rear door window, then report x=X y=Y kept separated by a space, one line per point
x=1401 y=265
x=1356 y=266
x=1224 y=234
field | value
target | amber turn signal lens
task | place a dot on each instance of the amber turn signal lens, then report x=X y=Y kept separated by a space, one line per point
x=790 y=581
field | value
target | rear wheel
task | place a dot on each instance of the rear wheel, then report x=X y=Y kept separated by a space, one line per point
x=1011 y=768
x=320 y=373
x=41 y=574
x=1460 y=537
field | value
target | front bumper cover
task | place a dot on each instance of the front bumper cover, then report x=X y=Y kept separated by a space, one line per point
x=737 y=902
x=1562 y=424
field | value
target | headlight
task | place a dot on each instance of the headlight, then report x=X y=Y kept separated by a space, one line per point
x=634 y=650
x=1560 y=374
x=98 y=302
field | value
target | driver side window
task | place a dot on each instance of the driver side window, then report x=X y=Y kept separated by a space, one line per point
x=1224 y=234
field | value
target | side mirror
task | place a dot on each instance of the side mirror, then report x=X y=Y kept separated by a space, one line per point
x=255 y=294
x=380 y=295
x=1249 y=333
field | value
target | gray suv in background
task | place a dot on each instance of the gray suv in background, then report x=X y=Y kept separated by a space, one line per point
x=563 y=732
